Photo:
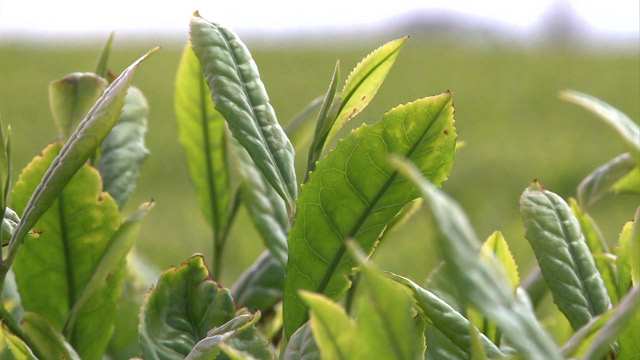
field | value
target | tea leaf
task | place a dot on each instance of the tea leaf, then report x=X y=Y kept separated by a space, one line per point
x=627 y=129
x=563 y=256
x=203 y=138
x=485 y=287
x=364 y=81
x=441 y=347
x=298 y=128
x=239 y=95
x=261 y=286
x=354 y=193
x=623 y=265
x=634 y=246
x=123 y=151
x=181 y=309
x=604 y=178
x=54 y=270
x=449 y=322
x=630 y=184
x=103 y=59
x=302 y=345
x=48 y=339
x=477 y=350
x=71 y=98
x=16 y=347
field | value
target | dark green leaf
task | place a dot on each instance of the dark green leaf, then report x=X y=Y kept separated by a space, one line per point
x=302 y=345
x=449 y=322
x=485 y=287
x=203 y=138
x=239 y=95
x=54 y=270
x=260 y=287
x=181 y=309
x=71 y=97
x=123 y=151
x=604 y=178
x=563 y=256
x=354 y=193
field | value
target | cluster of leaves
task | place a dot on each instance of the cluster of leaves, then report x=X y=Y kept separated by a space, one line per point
x=318 y=232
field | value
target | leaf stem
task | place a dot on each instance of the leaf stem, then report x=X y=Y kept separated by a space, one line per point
x=348 y=305
x=13 y=326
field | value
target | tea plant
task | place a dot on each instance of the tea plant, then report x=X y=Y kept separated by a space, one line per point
x=319 y=232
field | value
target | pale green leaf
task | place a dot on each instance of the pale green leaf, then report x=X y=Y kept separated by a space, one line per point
x=47 y=338
x=298 y=129
x=123 y=151
x=103 y=60
x=449 y=322
x=628 y=338
x=563 y=256
x=201 y=131
x=630 y=184
x=623 y=265
x=497 y=246
x=604 y=178
x=302 y=345
x=335 y=334
x=477 y=349
x=485 y=287
x=52 y=271
x=16 y=347
x=260 y=287
x=71 y=97
x=364 y=81
x=181 y=309
x=355 y=193
x=240 y=96
x=626 y=127
x=634 y=247
x=441 y=347
x=75 y=152
x=266 y=208
x=9 y=223
x=597 y=245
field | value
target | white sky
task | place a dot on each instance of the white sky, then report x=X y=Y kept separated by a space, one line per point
x=97 y=17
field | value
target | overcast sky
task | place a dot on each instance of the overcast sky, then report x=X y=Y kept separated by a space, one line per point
x=98 y=17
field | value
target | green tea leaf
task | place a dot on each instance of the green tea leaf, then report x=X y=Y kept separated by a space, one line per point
x=385 y=316
x=597 y=245
x=203 y=138
x=625 y=312
x=440 y=347
x=326 y=119
x=103 y=59
x=604 y=178
x=336 y=335
x=181 y=309
x=17 y=348
x=634 y=246
x=563 y=256
x=302 y=345
x=71 y=97
x=364 y=81
x=54 y=270
x=261 y=286
x=449 y=322
x=354 y=193
x=497 y=246
x=630 y=184
x=266 y=208
x=477 y=350
x=48 y=339
x=123 y=151
x=112 y=261
x=75 y=152
x=9 y=224
x=485 y=287
x=623 y=265
x=239 y=95
x=298 y=128
x=628 y=338
x=628 y=129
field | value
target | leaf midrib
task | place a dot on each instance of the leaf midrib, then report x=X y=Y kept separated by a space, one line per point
x=236 y=69
x=338 y=258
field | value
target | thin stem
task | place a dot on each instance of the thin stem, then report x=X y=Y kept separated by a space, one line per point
x=351 y=293
x=11 y=323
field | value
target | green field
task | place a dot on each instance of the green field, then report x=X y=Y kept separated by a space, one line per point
x=507 y=113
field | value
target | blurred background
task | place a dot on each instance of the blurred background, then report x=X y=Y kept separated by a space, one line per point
x=504 y=61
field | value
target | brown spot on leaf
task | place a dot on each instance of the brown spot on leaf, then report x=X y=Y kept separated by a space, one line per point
x=364 y=97
x=446 y=132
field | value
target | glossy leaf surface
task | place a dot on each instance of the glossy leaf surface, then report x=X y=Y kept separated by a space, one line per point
x=354 y=193
x=364 y=81
x=54 y=270
x=181 y=309
x=123 y=151
x=240 y=96
x=563 y=256
x=485 y=287
x=261 y=286
x=71 y=97
x=202 y=135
